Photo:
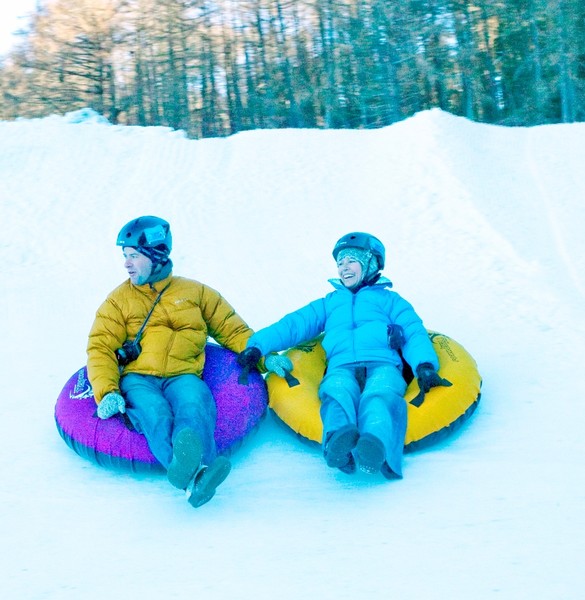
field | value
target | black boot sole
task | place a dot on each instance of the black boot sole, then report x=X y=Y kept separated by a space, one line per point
x=208 y=480
x=370 y=453
x=340 y=445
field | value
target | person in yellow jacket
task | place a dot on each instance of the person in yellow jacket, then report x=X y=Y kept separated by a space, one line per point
x=146 y=352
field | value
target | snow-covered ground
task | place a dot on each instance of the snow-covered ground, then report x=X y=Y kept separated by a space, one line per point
x=483 y=228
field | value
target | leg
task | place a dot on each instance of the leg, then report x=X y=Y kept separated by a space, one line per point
x=195 y=414
x=194 y=408
x=150 y=413
x=382 y=418
x=339 y=393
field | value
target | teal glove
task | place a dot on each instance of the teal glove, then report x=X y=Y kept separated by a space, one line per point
x=278 y=364
x=111 y=403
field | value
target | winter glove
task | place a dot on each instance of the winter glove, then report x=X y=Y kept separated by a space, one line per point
x=279 y=364
x=248 y=359
x=395 y=337
x=111 y=403
x=282 y=366
x=429 y=378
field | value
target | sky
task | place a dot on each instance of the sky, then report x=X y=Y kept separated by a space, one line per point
x=13 y=15
x=483 y=230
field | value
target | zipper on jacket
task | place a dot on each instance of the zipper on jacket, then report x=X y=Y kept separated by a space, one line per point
x=353 y=326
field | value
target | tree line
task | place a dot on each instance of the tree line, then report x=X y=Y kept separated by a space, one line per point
x=216 y=67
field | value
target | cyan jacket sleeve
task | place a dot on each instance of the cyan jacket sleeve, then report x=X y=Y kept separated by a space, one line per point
x=296 y=327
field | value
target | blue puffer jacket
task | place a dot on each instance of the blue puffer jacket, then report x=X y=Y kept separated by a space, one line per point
x=355 y=326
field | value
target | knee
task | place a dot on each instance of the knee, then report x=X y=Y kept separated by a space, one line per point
x=336 y=388
x=397 y=405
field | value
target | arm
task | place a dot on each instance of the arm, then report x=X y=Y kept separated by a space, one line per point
x=224 y=324
x=417 y=348
x=303 y=324
x=107 y=334
x=294 y=328
x=418 y=351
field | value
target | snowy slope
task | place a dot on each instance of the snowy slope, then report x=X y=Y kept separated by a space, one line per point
x=483 y=228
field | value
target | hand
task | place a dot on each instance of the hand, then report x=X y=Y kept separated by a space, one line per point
x=278 y=364
x=429 y=378
x=111 y=403
x=249 y=357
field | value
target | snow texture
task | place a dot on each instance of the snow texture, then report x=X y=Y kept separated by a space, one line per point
x=484 y=233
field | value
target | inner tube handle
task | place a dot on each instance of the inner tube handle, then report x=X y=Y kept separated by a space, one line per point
x=290 y=379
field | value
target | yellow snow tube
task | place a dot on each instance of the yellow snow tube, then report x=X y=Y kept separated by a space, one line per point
x=443 y=410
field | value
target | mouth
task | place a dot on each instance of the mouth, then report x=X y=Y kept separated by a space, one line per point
x=349 y=280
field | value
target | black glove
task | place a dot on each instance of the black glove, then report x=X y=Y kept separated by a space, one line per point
x=248 y=359
x=395 y=337
x=429 y=378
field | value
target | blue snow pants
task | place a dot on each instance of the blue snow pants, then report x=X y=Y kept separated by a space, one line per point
x=160 y=407
x=376 y=406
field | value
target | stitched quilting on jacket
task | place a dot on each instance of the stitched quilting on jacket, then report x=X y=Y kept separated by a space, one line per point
x=173 y=341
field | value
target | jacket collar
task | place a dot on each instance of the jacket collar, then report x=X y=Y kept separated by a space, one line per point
x=380 y=282
x=160 y=272
x=156 y=286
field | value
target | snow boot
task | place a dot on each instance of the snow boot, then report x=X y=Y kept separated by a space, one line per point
x=370 y=453
x=202 y=488
x=339 y=446
x=187 y=454
x=350 y=467
x=388 y=473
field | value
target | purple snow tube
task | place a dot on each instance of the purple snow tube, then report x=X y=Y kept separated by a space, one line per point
x=111 y=442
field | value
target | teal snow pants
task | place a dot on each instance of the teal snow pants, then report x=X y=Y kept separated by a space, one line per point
x=371 y=397
x=160 y=407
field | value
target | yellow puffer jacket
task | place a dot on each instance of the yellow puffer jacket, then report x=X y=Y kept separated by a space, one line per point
x=173 y=342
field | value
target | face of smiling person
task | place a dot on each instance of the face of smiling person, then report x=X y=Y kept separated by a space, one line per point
x=139 y=267
x=350 y=271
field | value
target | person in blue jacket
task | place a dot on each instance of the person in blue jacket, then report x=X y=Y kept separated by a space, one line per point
x=362 y=393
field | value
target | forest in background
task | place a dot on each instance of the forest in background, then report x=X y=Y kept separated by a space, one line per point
x=216 y=67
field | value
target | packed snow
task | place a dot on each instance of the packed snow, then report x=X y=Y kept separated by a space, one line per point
x=483 y=230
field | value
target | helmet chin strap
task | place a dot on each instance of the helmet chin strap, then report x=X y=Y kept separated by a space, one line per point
x=366 y=279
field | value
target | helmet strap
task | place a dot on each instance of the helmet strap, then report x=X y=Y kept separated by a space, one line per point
x=367 y=279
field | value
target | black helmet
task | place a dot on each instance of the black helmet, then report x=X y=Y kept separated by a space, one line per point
x=151 y=236
x=364 y=241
